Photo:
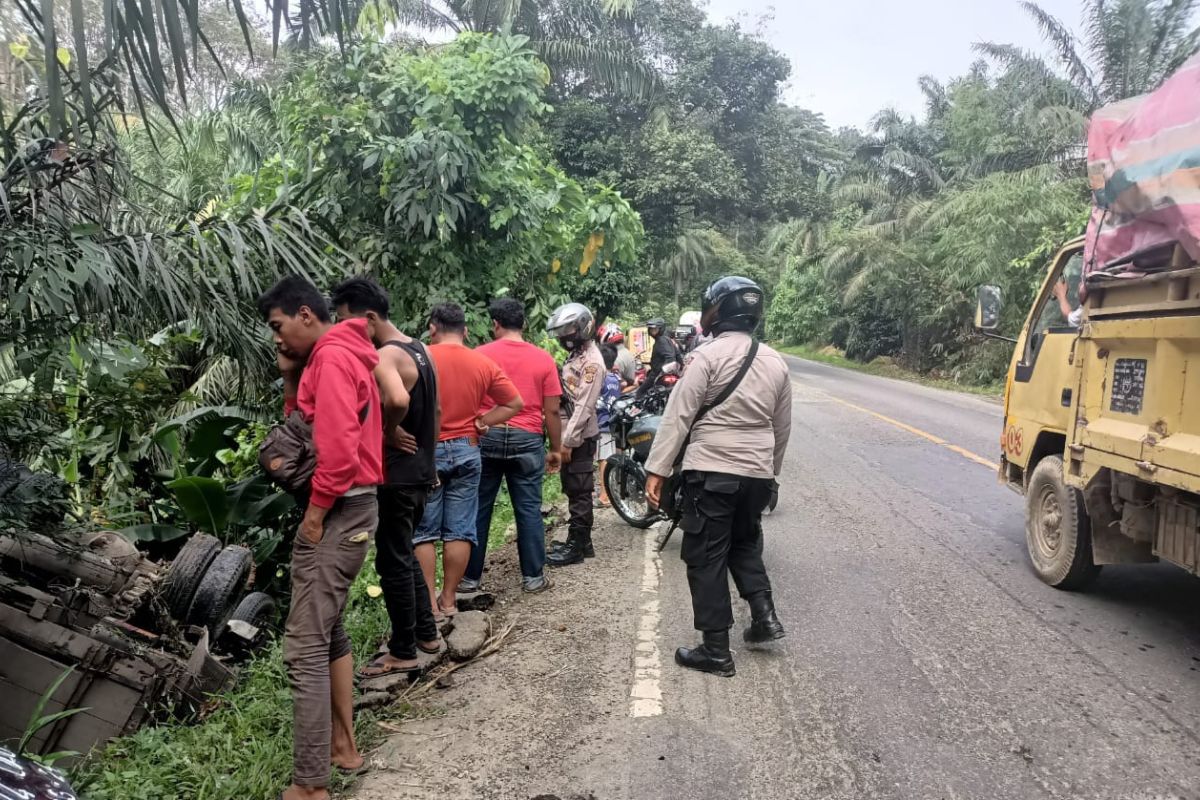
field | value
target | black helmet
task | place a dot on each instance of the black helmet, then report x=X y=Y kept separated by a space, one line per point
x=732 y=303
x=656 y=322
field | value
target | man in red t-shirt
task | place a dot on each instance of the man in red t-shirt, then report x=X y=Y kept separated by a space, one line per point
x=465 y=380
x=516 y=451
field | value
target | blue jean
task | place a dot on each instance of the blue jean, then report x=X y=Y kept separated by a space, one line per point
x=452 y=507
x=520 y=457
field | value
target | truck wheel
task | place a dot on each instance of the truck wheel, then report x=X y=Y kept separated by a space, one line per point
x=185 y=573
x=1058 y=532
x=257 y=610
x=221 y=588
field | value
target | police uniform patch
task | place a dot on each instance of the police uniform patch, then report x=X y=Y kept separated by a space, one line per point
x=589 y=373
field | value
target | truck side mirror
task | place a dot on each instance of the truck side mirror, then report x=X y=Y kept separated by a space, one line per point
x=987 y=308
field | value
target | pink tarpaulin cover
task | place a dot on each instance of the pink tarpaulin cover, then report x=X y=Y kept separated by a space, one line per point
x=1144 y=167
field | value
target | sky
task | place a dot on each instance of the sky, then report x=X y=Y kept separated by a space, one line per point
x=851 y=58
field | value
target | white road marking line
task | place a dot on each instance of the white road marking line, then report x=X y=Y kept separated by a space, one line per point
x=967 y=454
x=645 y=695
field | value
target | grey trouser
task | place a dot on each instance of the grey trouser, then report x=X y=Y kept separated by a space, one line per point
x=314 y=637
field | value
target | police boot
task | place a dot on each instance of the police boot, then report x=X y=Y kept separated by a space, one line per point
x=573 y=551
x=712 y=656
x=764 y=624
x=559 y=547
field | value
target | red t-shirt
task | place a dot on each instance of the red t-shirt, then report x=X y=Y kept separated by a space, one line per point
x=533 y=371
x=465 y=380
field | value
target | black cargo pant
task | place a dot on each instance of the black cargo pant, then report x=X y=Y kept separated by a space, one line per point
x=404 y=592
x=578 y=480
x=722 y=527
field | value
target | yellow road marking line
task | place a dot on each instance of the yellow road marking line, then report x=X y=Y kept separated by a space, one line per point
x=967 y=454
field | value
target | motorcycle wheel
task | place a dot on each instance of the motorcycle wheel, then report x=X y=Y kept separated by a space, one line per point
x=627 y=493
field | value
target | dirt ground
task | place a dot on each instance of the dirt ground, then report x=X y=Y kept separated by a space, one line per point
x=511 y=722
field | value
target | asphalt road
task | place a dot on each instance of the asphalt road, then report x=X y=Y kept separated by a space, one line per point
x=923 y=657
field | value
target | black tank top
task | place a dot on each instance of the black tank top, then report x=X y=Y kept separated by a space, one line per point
x=416 y=469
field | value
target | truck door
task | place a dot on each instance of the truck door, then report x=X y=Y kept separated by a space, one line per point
x=1040 y=395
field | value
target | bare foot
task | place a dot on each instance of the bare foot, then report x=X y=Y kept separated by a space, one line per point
x=295 y=792
x=448 y=607
x=348 y=762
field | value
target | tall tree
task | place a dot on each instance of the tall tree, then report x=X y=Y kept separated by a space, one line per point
x=1128 y=47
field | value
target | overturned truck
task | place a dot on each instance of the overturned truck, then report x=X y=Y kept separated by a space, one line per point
x=135 y=637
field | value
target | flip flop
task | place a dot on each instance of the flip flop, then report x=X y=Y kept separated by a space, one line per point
x=354 y=773
x=436 y=648
x=384 y=669
x=445 y=613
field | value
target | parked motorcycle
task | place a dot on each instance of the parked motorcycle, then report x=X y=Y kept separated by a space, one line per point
x=634 y=424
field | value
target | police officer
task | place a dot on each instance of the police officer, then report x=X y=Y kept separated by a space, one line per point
x=583 y=377
x=729 y=466
x=665 y=352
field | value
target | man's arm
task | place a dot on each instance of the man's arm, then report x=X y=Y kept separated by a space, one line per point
x=782 y=421
x=507 y=399
x=686 y=399
x=1060 y=294
x=289 y=371
x=551 y=407
x=392 y=392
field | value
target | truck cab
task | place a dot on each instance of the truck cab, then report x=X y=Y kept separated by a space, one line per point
x=1101 y=432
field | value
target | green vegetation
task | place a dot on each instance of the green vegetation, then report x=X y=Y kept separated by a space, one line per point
x=886 y=368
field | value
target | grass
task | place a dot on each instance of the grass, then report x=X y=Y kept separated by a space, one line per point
x=887 y=369
x=242 y=748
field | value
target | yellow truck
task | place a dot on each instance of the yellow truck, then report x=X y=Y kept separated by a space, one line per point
x=1102 y=415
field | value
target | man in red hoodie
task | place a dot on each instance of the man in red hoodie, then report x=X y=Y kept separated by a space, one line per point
x=327 y=375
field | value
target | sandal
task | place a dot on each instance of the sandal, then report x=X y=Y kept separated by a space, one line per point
x=445 y=613
x=437 y=648
x=357 y=772
x=381 y=668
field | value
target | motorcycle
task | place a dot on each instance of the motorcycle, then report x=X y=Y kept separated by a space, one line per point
x=633 y=423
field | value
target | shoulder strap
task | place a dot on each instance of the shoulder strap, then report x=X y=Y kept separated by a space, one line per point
x=725 y=394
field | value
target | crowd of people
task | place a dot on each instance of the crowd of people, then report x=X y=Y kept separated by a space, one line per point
x=408 y=445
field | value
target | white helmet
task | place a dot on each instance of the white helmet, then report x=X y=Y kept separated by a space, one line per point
x=572 y=324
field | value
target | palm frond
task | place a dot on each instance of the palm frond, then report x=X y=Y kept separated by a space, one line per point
x=1066 y=48
x=612 y=65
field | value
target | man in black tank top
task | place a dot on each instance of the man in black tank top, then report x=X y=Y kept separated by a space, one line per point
x=410 y=473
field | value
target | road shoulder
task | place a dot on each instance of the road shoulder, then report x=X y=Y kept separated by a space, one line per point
x=518 y=723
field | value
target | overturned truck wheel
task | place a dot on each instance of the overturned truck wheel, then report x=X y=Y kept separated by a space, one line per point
x=185 y=573
x=221 y=588
x=250 y=626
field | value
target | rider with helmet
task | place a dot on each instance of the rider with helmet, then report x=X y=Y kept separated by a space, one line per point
x=665 y=352
x=583 y=377
x=734 y=453
x=626 y=363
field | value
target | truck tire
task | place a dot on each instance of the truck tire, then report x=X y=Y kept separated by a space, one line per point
x=185 y=573
x=1058 y=532
x=257 y=608
x=221 y=588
